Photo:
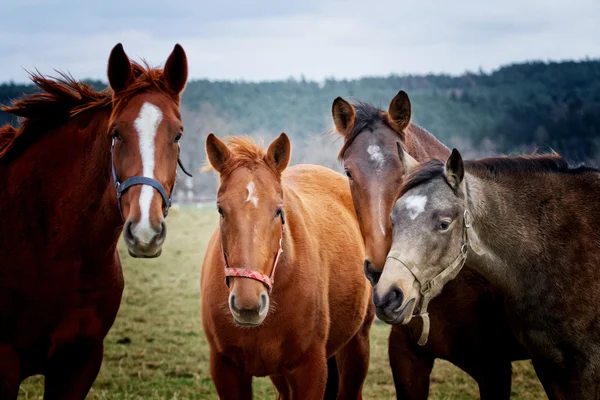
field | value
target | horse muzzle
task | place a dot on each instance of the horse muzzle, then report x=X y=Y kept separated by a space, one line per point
x=391 y=308
x=249 y=314
x=144 y=241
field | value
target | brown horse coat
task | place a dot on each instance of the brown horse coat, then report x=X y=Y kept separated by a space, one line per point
x=529 y=225
x=468 y=323
x=60 y=275
x=320 y=303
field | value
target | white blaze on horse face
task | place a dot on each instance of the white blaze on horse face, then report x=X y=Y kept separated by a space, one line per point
x=415 y=205
x=380 y=209
x=252 y=196
x=146 y=125
x=376 y=155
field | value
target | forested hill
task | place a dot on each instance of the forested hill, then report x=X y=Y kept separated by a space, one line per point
x=515 y=108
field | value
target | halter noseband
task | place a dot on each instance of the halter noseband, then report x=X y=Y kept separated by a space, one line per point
x=431 y=287
x=121 y=187
x=268 y=281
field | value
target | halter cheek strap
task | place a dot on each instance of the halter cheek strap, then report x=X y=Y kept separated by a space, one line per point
x=268 y=281
x=431 y=287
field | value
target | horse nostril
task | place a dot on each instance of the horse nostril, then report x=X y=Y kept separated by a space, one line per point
x=371 y=274
x=395 y=298
x=263 y=302
x=127 y=233
x=232 y=304
x=390 y=301
x=162 y=233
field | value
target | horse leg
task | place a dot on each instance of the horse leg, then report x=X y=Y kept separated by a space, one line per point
x=353 y=361
x=282 y=386
x=308 y=379
x=231 y=382
x=72 y=370
x=556 y=384
x=494 y=379
x=10 y=372
x=411 y=365
x=331 y=390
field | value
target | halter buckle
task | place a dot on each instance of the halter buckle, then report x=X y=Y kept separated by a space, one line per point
x=426 y=288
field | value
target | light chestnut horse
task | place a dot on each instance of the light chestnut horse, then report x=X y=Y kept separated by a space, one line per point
x=282 y=282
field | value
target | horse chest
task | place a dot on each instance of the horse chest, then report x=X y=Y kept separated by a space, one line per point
x=41 y=313
x=258 y=360
x=262 y=352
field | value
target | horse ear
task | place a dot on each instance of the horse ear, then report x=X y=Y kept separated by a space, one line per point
x=217 y=152
x=279 y=152
x=407 y=160
x=399 y=111
x=455 y=170
x=176 y=70
x=120 y=73
x=343 y=116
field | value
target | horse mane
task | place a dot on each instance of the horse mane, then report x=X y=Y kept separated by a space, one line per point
x=245 y=152
x=493 y=167
x=366 y=117
x=60 y=98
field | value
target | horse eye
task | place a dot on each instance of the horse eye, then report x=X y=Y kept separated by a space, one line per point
x=278 y=213
x=444 y=225
x=115 y=135
x=220 y=211
x=348 y=174
x=178 y=137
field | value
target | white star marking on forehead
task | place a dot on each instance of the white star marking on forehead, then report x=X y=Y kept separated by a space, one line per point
x=252 y=197
x=375 y=155
x=415 y=205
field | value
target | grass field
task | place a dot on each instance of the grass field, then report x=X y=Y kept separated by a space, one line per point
x=157 y=350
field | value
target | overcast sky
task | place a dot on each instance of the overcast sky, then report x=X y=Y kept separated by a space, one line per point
x=275 y=39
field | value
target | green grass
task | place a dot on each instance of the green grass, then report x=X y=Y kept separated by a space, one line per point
x=157 y=350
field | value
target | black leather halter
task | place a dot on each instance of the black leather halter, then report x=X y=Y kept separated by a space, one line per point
x=142 y=180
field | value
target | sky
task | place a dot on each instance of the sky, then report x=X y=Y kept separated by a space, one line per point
x=256 y=40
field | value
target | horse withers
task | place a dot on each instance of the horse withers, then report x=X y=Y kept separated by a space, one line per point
x=80 y=165
x=529 y=225
x=468 y=325
x=282 y=283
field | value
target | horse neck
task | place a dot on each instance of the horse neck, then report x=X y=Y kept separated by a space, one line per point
x=76 y=198
x=293 y=237
x=423 y=146
x=502 y=228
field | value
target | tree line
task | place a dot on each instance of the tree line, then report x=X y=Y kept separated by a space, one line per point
x=517 y=108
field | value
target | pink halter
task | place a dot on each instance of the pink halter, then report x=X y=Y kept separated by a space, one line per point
x=268 y=281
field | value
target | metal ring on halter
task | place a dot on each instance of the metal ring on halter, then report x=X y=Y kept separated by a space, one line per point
x=464 y=249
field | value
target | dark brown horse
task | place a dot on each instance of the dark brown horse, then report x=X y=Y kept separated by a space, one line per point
x=530 y=226
x=60 y=274
x=468 y=326
x=282 y=284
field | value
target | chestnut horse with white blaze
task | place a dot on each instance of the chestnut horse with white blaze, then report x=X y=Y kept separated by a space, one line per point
x=80 y=166
x=282 y=283
x=468 y=324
